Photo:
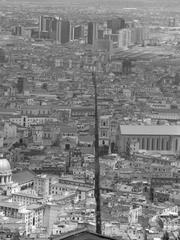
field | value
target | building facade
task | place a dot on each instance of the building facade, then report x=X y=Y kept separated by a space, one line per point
x=152 y=138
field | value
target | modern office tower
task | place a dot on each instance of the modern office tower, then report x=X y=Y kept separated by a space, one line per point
x=45 y=23
x=139 y=35
x=55 y=29
x=92 y=32
x=84 y=32
x=65 y=31
x=58 y=31
x=45 y=27
x=116 y=24
x=125 y=38
x=72 y=33
x=77 y=32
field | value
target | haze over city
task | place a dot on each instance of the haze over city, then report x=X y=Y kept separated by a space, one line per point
x=89 y=119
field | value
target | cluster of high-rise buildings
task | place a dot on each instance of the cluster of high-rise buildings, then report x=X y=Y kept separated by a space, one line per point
x=116 y=31
x=47 y=160
x=55 y=29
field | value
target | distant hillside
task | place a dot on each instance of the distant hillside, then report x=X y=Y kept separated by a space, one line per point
x=167 y=4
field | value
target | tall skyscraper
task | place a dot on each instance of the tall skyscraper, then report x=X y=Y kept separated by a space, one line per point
x=45 y=23
x=125 y=39
x=54 y=26
x=45 y=27
x=139 y=35
x=54 y=29
x=116 y=24
x=77 y=32
x=92 y=32
x=65 y=31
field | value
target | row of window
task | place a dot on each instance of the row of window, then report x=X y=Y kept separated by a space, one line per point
x=68 y=134
x=36 y=112
x=24 y=199
x=59 y=189
x=155 y=144
x=74 y=114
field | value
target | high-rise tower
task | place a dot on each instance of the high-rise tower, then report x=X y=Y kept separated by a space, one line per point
x=92 y=32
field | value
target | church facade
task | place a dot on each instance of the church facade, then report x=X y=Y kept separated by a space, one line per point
x=151 y=138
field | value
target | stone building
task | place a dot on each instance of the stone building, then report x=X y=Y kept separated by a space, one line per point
x=152 y=138
x=5 y=173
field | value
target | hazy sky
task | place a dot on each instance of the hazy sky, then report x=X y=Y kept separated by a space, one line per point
x=165 y=4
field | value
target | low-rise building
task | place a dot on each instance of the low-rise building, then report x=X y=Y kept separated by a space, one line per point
x=26 y=197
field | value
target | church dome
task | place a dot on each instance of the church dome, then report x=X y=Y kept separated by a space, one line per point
x=4 y=165
x=156 y=222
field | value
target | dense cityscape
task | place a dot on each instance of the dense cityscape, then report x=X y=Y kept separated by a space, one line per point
x=90 y=119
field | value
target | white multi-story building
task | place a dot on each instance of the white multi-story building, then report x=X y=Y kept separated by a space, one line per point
x=27 y=121
x=125 y=38
x=42 y=185
x=10 y=130
x=26 y=197
x=33 y=218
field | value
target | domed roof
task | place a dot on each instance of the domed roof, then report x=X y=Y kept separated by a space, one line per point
x=156 y=222
x=4 y=165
